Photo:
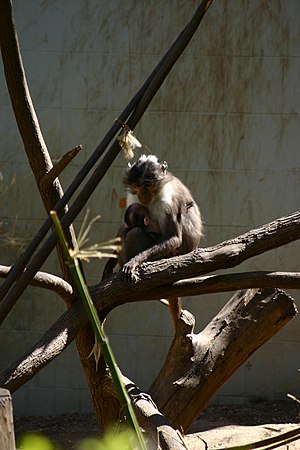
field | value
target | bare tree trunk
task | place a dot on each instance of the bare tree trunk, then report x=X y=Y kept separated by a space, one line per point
x=27 y=121
x=198 y=365
x=40 y=162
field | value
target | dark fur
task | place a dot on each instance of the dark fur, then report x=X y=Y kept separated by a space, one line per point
x=171 y=208
x=145 y=235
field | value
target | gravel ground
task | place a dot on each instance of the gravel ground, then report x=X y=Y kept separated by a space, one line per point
x=216 y=422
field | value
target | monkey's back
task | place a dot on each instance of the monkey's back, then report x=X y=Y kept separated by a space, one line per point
x=175 y=201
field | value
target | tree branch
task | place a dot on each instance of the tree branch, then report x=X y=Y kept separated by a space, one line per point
x=198 y=365
x=47 y=180
x=27 y=121
x=157 y=427
x=232 y=282
x=48 y=281
x=227 y=254
x=160 y=278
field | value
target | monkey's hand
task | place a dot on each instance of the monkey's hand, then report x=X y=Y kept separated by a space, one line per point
x=130 y=271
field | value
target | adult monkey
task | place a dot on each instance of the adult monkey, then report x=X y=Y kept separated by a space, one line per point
x=173 y=209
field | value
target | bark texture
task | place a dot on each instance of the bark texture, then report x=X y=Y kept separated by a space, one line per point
x=113 y=292
x=198 y=365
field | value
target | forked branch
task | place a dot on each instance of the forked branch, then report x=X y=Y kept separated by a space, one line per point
x=159 y=279
x=198 y=365
x=49 y=177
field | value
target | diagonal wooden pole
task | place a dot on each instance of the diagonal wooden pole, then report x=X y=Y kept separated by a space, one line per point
x=13 y=65
x=9 y=298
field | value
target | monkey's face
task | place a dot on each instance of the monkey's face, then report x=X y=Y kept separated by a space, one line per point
x=145 y=192
x=144 y=178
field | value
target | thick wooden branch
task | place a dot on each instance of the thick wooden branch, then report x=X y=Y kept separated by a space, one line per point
x=109 y=295
x=160 y=433
x=232 y=282
x=27 y=121
x=158 y=284
x=19 y=92
x=227 y=254
x=198 y=365
x=48 y=281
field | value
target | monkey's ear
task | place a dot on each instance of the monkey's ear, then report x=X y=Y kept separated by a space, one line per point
x=164 y=166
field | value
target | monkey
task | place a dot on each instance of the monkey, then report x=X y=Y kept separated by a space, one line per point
x=146 y=234
x=171 y=208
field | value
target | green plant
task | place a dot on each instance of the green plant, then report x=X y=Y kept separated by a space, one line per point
x=73 y=263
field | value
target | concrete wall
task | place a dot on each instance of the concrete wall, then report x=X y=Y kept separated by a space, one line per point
x=227 y=122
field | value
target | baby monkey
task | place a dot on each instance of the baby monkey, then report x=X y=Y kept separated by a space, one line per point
x=146 y=234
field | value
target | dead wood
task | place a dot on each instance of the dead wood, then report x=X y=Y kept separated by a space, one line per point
x=27 y=121
x=57 y=169
x=232 y=282
x=227 y=254
x=158 y=428
x=7 y=437
x=198 y=365
x=45 y=280
x=158 y=284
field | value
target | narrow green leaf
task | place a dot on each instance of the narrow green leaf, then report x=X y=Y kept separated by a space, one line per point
x=99 y=331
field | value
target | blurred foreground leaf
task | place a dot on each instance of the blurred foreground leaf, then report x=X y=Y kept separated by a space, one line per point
x=33 y=441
